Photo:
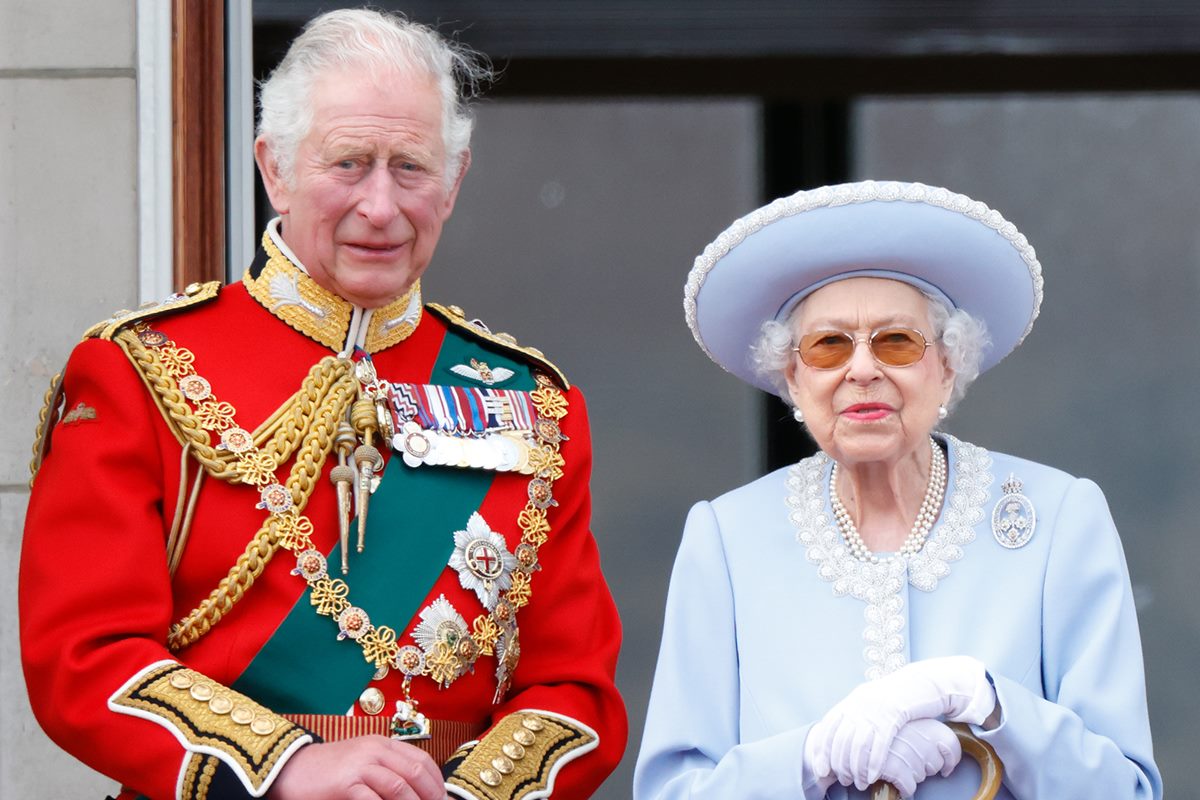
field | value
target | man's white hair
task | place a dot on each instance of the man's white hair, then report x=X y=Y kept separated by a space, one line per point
x=378 y=42
x=960 y=336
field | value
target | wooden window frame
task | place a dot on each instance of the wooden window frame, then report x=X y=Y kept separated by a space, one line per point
x=198 y=140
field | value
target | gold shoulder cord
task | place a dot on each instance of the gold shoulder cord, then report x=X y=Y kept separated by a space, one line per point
x=46 y=422
x=304 y=425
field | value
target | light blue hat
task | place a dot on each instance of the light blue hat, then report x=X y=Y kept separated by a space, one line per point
x=941 y=242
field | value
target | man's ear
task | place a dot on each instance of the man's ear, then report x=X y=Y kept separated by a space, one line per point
x=268 y=167
x=452 y=194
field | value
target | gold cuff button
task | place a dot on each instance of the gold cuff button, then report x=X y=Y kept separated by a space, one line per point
x=491 y=777
x=201 y=691
x=263 y=726
x=181 y=680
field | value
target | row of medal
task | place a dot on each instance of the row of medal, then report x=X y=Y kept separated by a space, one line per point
x=458 y=426
x=501 y=451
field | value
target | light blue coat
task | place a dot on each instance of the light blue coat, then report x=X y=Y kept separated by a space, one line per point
x=769 y=622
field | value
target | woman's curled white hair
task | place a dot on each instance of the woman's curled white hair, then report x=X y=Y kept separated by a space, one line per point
x=379 y=41
x=962 y=339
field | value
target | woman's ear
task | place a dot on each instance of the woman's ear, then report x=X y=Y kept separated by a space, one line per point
x=949 y=376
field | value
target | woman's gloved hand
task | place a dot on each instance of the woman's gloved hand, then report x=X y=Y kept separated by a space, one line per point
x=851 y=742
x=921 y=749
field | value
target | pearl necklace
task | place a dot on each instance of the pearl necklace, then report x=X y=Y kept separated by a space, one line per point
x=935 y=492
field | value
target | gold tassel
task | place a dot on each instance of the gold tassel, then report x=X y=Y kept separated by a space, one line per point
x=368 y=460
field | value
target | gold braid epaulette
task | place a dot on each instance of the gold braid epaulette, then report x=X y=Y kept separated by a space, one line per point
x=458 y=318
x=303 y=426
x=193 y=295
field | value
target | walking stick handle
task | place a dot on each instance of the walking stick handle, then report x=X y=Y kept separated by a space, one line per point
x=992 y=771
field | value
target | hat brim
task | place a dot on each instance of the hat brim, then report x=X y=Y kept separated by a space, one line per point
x=939 y=241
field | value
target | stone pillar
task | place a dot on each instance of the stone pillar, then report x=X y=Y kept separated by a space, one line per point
x=68 y=258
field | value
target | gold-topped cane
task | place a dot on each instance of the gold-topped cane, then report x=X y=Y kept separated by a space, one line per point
x=989 y=765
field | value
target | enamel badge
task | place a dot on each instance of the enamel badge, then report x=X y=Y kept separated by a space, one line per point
x=483 y=561
x=1013 y=518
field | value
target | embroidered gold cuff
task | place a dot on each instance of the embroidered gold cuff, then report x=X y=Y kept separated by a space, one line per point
x=197 y=776
x=519 y=757
x=212 y=719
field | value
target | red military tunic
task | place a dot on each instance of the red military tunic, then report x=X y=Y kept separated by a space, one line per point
x=98 y=601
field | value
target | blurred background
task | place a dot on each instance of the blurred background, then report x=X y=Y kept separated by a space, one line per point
x=620 y=138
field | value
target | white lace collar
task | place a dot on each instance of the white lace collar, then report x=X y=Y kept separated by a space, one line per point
x=879 y=585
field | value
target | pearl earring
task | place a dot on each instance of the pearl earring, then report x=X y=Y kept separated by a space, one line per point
x=943 y=412
x=798 y=414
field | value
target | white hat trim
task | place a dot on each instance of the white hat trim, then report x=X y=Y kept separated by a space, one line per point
x=846 y=194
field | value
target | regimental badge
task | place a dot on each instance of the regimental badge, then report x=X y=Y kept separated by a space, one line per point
x=1013 y=518
x=79 y=413
x=480 y=371
x=482 y=560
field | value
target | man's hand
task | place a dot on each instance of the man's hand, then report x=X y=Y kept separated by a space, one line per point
x=363 y=768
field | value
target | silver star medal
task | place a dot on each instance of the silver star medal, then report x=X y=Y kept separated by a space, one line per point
x=482 y=560
x=1013 y=518
x=440 y=622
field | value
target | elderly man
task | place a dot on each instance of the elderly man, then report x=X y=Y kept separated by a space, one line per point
x=306 y=536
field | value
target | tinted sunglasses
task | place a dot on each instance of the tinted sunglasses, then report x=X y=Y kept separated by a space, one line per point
x=891 y=347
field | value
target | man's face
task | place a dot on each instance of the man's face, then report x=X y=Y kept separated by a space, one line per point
x=369 y=193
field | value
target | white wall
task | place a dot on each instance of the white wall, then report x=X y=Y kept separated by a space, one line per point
x=68 y=257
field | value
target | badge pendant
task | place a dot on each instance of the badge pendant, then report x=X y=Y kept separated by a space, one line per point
x=1013 y=518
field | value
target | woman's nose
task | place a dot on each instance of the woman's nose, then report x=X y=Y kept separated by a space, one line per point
x=862 y=365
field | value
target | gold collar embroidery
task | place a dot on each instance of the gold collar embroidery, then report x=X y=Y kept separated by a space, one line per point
x=291 y=295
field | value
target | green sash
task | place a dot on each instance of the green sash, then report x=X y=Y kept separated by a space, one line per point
x=303 y=668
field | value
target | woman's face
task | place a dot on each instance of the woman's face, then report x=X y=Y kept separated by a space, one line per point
x=865 y=412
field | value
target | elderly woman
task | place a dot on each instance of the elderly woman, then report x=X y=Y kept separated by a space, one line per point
x=827 y=621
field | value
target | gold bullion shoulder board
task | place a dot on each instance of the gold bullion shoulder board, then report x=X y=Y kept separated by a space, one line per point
x=477 y=330
x=194 y=294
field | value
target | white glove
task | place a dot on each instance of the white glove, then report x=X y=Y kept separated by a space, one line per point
x=851 y=742
x=922 y=748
